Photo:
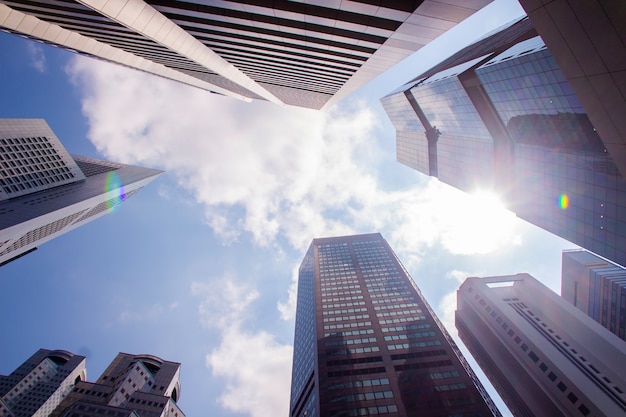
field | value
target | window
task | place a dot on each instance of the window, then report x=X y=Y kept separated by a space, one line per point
x=561 y=386
x=552 y=376
x=573 y=398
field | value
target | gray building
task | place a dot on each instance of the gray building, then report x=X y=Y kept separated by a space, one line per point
x=597 y=287
x=131 y=386
x=543 y=355
x=301 y=53
x=500 y=115
x=37 y=386
x=367 y=342
x=45 y=192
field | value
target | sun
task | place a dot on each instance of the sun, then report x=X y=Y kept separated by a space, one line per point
x=480 y=223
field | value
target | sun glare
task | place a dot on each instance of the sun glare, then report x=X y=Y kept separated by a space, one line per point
x=483 y=224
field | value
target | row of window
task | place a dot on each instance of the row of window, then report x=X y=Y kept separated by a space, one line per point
x=409 y=336
x=350 y=341
x=350 y=333
x=363 y=396
x=366 y=411
x=359 y=384
x=399 y=346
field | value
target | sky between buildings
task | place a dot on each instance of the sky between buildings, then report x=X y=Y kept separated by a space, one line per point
x=200 y=266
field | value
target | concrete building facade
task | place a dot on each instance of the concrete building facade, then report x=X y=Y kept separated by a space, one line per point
x=543 y=355
x=131 y=386
x=39 y=385
x=597 y=287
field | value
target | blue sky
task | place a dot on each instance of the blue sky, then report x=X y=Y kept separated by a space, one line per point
x=199 y=267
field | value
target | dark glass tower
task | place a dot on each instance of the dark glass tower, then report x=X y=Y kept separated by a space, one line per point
x=368 y=343
x=501 y=115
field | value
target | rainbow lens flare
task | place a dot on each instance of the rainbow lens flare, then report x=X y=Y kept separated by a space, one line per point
x=563 y=201
x=114 y=183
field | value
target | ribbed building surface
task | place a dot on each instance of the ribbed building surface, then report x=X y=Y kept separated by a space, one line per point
x=302 y=53
x=543 y=355
x=45 y=192
x=597 y=288
x=501 y=115
x=368 y=343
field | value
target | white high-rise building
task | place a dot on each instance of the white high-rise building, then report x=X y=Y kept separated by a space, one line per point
x=45 y=192
x=544 y=356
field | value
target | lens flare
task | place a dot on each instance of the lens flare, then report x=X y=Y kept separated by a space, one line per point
x=563 y=201
x=114 y=183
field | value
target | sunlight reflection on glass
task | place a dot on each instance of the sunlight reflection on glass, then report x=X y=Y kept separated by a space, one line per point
x=114 y=183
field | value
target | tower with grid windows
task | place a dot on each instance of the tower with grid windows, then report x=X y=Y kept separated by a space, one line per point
x=37 y=386
x=367 y=342
x=45 y=192
x=131 y=386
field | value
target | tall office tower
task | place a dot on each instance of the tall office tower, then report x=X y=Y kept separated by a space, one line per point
x=131 y=386
x=45 y=192
x=302 y=53
x=37 y=387
x=543 y=355
x=500 y=115
x=597 y=287
x=368 y=343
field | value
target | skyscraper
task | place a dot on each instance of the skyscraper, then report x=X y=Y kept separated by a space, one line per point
x=45 y=192
x=368 y=343
x=132 y=385
x=543 y=355
x=501 y=115
x=37 y=387
x=308 y=54
x=597 y=287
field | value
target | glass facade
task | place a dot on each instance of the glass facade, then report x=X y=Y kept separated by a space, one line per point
x=367 y=343
x=509 y=120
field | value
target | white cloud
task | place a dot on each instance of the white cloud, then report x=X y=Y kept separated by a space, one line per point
x=256 y=368
x=447 y=307
x=269 y=171
x=273 y=174
x=36 y=55
x=458 y=275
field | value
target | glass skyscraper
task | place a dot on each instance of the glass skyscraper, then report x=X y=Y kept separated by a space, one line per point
x=368 y=343
x=501 y=115
x=46 y=192
x=301 y=53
